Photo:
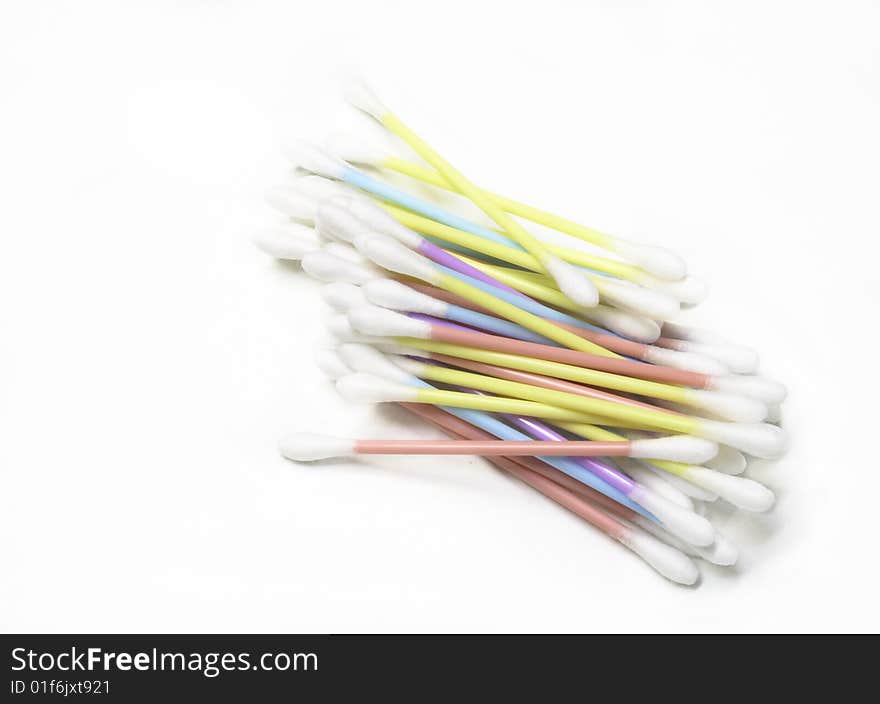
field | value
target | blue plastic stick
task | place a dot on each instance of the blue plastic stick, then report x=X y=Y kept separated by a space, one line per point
x=495 y=427
x=429 y=210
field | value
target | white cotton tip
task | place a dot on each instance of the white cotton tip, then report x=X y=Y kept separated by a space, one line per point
x=636 y=299
x=681 y=522
x=759 y=439
x=392 y=294
x=411 y=366
x=392 y=350
x=676 y=448
x=671 y=563
x=654 y=482
x=315 y=160
x=663 y=535
x=319 y=189
x=346 y=252
x=342 y=297
x=340 y=328
x=739 y=409
x=383 y=222
x=373 y=320
x=290 y=202
x=358 y=94
x=684 y=360
x=341 y=331
x=357 y=149
x=327 y=267
x=331 y=363
x=309 y=447
x=740 y=359
x=367 y=388
x=632 y=327
x=655 y=260
x=722 y=552
x=743 y=493
x=394 y=256
x=689 y=290
x=368 y=360
x=686 y=332
x=334 y=221
x=728 y=460
x=684 y=486
x=758 y=387
x=572 y=281
x=289 y=241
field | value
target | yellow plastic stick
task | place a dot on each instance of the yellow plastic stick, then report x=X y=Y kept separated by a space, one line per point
x=636 y=415
x=558 y=370
x=432 y=228
x=531 y=283
x=534 y=286
x=496 y=404
x=533 y=322
x=461 y=184
x=519 y=257
x=585 y=420
x=542 y=217
x=592 y=432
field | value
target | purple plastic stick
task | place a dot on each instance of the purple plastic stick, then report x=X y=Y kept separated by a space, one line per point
x=435 y=253
x=536 y=429
x=604 y=471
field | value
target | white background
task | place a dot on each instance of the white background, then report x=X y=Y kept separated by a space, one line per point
x=151 y=357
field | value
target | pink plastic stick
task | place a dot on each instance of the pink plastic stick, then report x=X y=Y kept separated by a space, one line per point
x=535 y=474
x=493 y=448
x=610 y=342
x=614 y=365
x=546 y=382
